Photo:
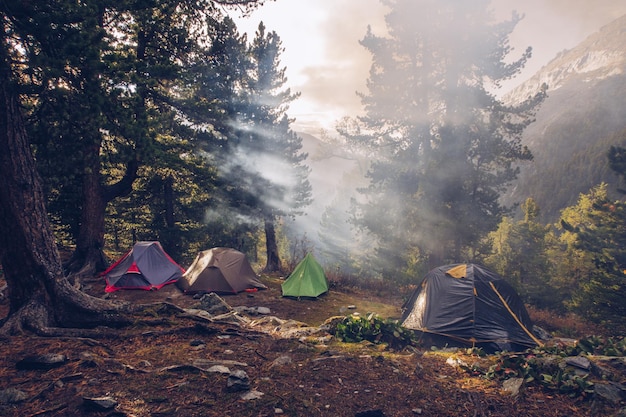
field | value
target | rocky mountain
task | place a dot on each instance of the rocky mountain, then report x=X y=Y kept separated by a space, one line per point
x=584 y=114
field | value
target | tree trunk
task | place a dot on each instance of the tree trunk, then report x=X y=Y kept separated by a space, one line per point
x=40 y=297
x=88 y=257
x=273 y=260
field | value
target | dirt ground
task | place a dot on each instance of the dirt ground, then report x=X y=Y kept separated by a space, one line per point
x=163 y=368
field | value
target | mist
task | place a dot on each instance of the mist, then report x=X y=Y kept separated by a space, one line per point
x=327 y=62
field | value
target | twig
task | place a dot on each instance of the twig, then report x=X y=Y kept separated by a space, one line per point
x=49 y=410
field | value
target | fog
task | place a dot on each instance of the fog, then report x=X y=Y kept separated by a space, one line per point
x=326 y=63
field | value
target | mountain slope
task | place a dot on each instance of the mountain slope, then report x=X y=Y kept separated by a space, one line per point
x=584 y=114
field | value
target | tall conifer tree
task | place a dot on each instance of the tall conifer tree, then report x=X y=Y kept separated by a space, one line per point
x=277 y=178
x=445 y=146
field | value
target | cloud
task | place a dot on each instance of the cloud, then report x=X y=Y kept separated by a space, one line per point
x=326 y=63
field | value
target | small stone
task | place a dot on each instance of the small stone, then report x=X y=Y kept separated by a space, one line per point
x=46 y=361
x=12 y=396
x=579 y=362
x=196 y=342
x=611 y=392
x=238 y=381
x=513 y=385
x=221 y=369
x=100 y=403
x=251 y=395
x=281 y=361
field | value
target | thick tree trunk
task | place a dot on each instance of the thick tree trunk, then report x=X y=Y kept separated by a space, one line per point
x=88 y=257
x=40 y=296
x=273 y=260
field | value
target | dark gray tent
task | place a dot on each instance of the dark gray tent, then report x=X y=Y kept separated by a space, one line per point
x=146 y=267
x=220 y=270
x=468 y=305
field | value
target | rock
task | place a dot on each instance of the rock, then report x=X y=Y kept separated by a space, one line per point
x=611 y=392
x=238 y=381
x=541 y=333
x=100 y=403
x=263 y=310
x=42 y=362
x=513 y=386
x=455 y=362
x=219 y=369
x=88 y=360
x=251 y=395
x=214 y=304
x=579 y=362
x=281 y=361
x=196 y=342
x=12 y=396
x=252 y=311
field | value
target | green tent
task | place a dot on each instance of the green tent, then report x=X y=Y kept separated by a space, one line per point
x=306 y=280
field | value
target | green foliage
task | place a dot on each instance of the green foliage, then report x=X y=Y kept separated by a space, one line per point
x=545 y=366
x=355 y=329
x=519 y=253
x=594 y=235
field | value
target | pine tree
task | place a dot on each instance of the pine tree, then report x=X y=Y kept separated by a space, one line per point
x=274 y=176
x=31 y=51
x=445 y=146
x=595 y=231
x=519 y=252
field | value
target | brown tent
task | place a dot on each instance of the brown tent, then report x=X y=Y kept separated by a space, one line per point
x=220 y=270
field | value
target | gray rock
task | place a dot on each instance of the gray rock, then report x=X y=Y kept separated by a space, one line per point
x=214 y=304
x=513 y=386
x=100 y=403
x=611 y=392
x=220 y=369
x=196 y=342
x=263 y=310
x=12 y=396
x=238 y=381
x=43 y=362
x=579 y=362
x=541 y=333
x=251 y=395
x=281 y=360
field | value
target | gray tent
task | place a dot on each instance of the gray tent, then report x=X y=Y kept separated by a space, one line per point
x=468 y=305
x=220 y=270
x=146 y=266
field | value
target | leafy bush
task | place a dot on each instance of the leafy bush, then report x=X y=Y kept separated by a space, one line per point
x=543 y=365
x=354 y=329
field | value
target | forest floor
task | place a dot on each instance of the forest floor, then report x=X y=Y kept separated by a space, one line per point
x=182 y=366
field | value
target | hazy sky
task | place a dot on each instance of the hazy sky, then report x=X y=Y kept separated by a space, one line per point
x=327 y=65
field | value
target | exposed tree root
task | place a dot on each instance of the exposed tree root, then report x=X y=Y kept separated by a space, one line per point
x=79 y=315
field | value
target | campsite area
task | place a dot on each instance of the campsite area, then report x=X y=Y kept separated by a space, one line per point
x=177 y=365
